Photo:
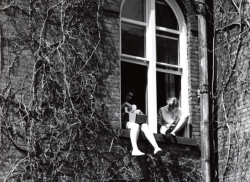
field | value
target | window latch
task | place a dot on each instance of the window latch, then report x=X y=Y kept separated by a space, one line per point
x=202 y=90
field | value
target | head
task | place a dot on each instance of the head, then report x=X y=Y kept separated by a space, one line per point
x=129 y=93
x=173 y=104
x=128 y=96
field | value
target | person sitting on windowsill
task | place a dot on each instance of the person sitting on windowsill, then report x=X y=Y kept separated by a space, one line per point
x=135 y=129
x=172 y=117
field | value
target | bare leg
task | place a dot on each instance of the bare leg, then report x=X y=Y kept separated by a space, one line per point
x=149 y=135
x=163 y=130
x=180 y=125
x=134 y=133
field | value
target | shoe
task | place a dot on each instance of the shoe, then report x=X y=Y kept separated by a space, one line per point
x=167 y=134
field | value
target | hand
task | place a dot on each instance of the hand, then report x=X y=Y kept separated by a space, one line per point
x=129 y=106
x=126 y=104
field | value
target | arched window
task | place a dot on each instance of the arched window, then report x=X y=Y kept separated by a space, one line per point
x=154 y=54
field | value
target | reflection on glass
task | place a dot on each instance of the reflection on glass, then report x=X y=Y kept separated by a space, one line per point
x=165 y=16
x=134 y=9
x=168 y=85
x=133 y=40
x=167 y=50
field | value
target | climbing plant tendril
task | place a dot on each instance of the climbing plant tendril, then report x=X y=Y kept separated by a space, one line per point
x=231 y=99
x=55 y=115
x=55 y=123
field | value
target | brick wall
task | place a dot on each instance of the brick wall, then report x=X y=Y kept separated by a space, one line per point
x=176 y=163
x=182 y=159
x=232 y=60
x=110 y=60
x=193 y=66
x=111 y=38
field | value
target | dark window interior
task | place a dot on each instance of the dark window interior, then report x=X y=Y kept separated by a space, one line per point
x=165 y=16
x=167 y=50
x=168 y=85
x=134 y=76
x=133 y=40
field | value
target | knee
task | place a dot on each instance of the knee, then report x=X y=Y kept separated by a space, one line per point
x=144 y=127
x=133 y=126
x=163 y=129
x=136 y=126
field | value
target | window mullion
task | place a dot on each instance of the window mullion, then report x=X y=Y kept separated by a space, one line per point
x=169 y=65
x=167 y=37
x=133 y=22
x=168 y=30
x=151 y=56
x=170 y=71
x=133 y=59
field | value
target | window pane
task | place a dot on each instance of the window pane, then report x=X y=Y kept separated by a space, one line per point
x=133 y=40
x=168 y=85
x=134 y=76
x=134 y=9
x=165 y=17
x=167 y=50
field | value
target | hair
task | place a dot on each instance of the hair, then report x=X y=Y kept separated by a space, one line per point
x=172 y=103
x=129 y=89
x=125 y=92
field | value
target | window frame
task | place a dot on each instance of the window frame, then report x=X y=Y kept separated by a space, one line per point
x=150 y=57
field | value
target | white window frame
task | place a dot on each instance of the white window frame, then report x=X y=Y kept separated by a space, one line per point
x=150 y=57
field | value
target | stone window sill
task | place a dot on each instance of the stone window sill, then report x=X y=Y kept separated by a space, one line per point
x=125 y=133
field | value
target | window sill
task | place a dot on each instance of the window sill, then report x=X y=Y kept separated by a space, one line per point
x=125 y=133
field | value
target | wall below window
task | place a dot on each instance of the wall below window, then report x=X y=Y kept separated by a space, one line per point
x=176 y=163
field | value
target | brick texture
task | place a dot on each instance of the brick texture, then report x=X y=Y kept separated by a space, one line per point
x=232 y=61
x=184 y=159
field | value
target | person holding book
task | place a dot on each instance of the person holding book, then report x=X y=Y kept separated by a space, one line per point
x=135 y=128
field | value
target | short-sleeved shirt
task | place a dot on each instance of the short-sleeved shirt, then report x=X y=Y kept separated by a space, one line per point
x=165 y=117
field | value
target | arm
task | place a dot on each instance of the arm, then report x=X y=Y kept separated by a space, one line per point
x=183 y=116
x=182 y=122
x=159 y=118
x=126 y=104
